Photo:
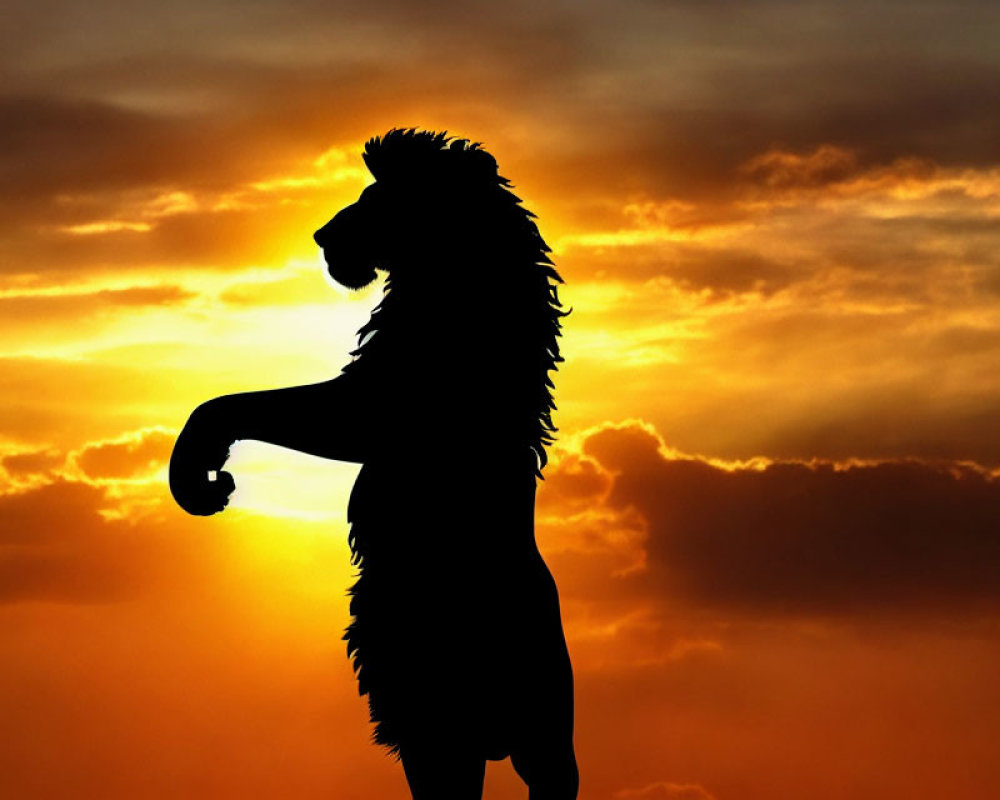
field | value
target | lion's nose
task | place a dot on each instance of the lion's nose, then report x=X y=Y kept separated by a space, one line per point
x=344 y=222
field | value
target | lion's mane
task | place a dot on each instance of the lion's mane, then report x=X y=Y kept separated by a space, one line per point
x=524 y=278
x=459 y=349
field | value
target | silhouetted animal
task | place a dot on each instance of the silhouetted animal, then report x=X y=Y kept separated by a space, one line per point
x=456 y=634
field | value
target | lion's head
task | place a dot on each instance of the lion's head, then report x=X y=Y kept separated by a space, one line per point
x=432 y=195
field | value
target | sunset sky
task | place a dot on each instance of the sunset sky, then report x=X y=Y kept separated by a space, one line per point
x=773 y=509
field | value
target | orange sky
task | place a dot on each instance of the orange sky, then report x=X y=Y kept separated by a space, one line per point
x=772 y=509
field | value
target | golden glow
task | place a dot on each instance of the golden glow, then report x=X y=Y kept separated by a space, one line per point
x=107 y=226
x=818 y=310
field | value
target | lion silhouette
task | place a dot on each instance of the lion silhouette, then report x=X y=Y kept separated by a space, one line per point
x=456 y=635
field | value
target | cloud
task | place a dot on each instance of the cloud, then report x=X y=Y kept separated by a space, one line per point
x=666 y=791
x=90 y=184
x=792 y=217
x=66 y=541
x=824 y=307
x=577 y=480
x=32 y=462
x=818 y=538
x=824 y=165
x=57 y=547
x=36 y=309
x=596 y=103
x=135 y=454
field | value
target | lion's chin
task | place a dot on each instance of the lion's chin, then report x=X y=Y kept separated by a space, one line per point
x=353 y=276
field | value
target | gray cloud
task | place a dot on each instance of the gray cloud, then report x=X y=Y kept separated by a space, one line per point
x=669 y=97
x=55 y=546
x=899 y=537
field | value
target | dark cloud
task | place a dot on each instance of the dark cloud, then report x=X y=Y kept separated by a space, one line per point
x=69 y=163
x=898 y=421
x=56 y=546
x=35 y=462
x=28 y=517
x=52 y=144
x=893 y=537
x=723 y=271
x=576 y=480
x=596 y=101
x=872 y=419
x=666 y=791
x=783 y=171
x=219 y=96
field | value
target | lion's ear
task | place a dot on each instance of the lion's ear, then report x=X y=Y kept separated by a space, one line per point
x=473 y=166
x=483 y=163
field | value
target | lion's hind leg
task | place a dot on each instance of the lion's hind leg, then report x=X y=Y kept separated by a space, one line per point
x=549 y=770
x=543 y=754
x=435 y=771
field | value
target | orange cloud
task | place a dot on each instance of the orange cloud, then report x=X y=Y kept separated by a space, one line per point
x=794 y=538
x=138 y=453
x=58 y=547
x=32 y=462
x=782 y=169
x=666 y=791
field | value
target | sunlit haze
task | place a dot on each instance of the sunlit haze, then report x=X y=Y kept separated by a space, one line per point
x=772 y=507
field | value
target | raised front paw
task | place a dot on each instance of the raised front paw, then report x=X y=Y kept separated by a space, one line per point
x=202 y=493
x=197 y=481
